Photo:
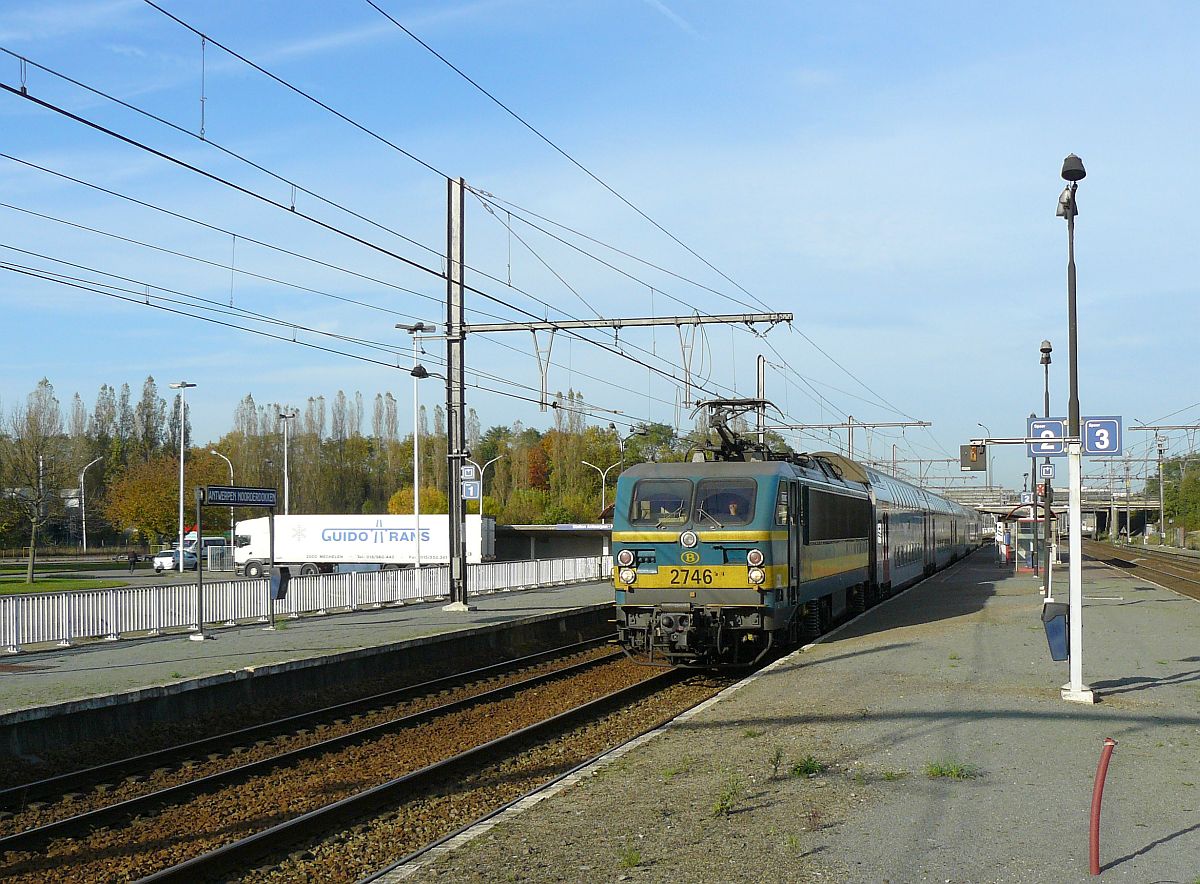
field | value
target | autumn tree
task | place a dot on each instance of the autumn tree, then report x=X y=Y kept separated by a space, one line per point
x=145 y=498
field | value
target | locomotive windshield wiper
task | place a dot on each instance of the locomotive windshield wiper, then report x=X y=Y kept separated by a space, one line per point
x=703 y=513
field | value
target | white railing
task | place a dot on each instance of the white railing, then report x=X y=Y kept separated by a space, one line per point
x=66 y=617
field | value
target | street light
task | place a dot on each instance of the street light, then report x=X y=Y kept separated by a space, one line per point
x=603 y=482
x=181 y=386
x=287 y=417
x=1073 y=172
x=83 y=501
x=640 y=431
x=228 y=461
x=1047 y=349
x=987 y=462
x=418 y=373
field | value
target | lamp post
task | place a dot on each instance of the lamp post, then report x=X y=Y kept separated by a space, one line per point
x=481 y=472
x=287 y=417
x=417 y=376
x=1046 y=350
x=83 y=501
x=1075 y=690
x=230 y=463
x=603 y=482
x=1034 y=558
x=181 y=386
x=987 y=463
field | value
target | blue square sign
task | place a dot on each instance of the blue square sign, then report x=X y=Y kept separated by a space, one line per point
x=472 y=490
x=1052 y=429
x=1101 y=436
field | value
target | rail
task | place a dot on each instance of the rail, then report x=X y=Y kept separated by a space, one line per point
x=64 y=618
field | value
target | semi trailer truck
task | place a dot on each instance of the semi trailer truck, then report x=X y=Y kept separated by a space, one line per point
x=326 y=543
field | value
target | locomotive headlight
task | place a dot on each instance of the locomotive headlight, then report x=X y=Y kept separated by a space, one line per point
x=625 y=558
x=754 y=557
x=627 y=575
x=687 y=539
x=756 y=575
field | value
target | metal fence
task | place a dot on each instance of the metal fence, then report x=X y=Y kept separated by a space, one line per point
x=63 y=618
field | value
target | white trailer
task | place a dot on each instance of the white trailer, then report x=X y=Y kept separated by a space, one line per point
x=320 y=544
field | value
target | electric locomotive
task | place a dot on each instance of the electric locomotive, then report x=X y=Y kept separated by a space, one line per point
x=741 y=550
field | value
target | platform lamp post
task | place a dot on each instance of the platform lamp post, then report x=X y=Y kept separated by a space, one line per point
x=286 y=417
x=230 y=463
x=1048 y=502
x=181 y=386
x=1075 y=690
x=83 y=502
x=1035 y=558
x=603 y=482
x=987 y=463
x=415 y=331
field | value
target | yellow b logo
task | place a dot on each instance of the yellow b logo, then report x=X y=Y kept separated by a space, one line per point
x=690 y=557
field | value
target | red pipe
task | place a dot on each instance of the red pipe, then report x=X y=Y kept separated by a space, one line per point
x=1097 y=795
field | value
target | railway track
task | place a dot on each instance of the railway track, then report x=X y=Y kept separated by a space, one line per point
x=421 y=763
x=73 y=792
x=1175 y=572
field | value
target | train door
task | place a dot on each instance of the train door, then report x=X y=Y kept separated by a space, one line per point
x=883 y=562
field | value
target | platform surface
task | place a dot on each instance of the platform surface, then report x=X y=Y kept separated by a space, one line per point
x=51 y=677
x=953 y=675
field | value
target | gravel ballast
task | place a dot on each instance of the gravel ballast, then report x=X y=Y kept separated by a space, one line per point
x=926 y=741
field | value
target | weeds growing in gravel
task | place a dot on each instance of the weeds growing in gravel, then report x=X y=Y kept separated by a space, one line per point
x=808 y=767
x=892 y=775
x=793 y=843
x=776 y=762
x=683 y=766
x=729 y=795
x=813 y=817
x=752 y=732
x=176 y=675
x=631 y=857
x=952 y=770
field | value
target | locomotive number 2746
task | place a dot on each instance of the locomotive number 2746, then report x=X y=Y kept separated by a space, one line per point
x=692 y=576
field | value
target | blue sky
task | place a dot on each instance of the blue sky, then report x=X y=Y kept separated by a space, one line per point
x=886 y=172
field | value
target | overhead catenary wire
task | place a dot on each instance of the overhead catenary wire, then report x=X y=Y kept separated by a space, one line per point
x=563 y=152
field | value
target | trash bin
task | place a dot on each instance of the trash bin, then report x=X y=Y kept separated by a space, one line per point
x=279 y=582
x=1055 y=618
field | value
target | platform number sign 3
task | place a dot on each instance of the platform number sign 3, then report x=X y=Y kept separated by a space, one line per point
x=1102 y=436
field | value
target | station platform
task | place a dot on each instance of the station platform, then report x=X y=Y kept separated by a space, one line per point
x=924 y=741
x=61 y=683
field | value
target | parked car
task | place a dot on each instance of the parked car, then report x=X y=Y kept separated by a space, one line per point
x=168 y=560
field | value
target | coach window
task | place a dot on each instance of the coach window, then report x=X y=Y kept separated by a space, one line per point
x=781 y=504
x=660 y=502
x=725 y=501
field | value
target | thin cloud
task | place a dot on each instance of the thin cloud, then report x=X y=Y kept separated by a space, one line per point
x=58 y=20
x=673 y=16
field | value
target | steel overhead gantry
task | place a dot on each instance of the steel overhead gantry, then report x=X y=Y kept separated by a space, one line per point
x=456 y=333
x=677 y=321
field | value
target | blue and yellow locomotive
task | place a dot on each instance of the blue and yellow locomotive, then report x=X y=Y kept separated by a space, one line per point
x=719 y=560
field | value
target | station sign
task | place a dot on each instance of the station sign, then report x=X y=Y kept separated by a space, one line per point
x=1101 y=436
x=1026 y=497
x=472 y=490
x=230 y=495
x=1052 y=429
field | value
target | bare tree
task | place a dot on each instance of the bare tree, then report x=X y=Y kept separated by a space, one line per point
x=35 y=465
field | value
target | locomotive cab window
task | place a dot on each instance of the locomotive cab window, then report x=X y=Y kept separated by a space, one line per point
x=725 y=501
x=660 y=502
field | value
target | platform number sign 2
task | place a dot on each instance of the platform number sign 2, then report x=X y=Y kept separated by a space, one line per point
x=1052 y=430
x=1102 y=436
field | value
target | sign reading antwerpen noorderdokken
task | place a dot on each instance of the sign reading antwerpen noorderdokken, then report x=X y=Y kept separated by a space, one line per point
x=229 y=495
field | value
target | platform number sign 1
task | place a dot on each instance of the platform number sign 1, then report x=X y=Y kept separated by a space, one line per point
x=1102 y=436
x=1052 y=429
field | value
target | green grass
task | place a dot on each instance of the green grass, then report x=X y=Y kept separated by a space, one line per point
x=631 y=857
x=891 y=776
x=44 y=567
x=728 y=796
x=15 y=585
x=951 y=770
x=682 y=766
x=752 y=732
x=808 y=767
x=776 y=761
